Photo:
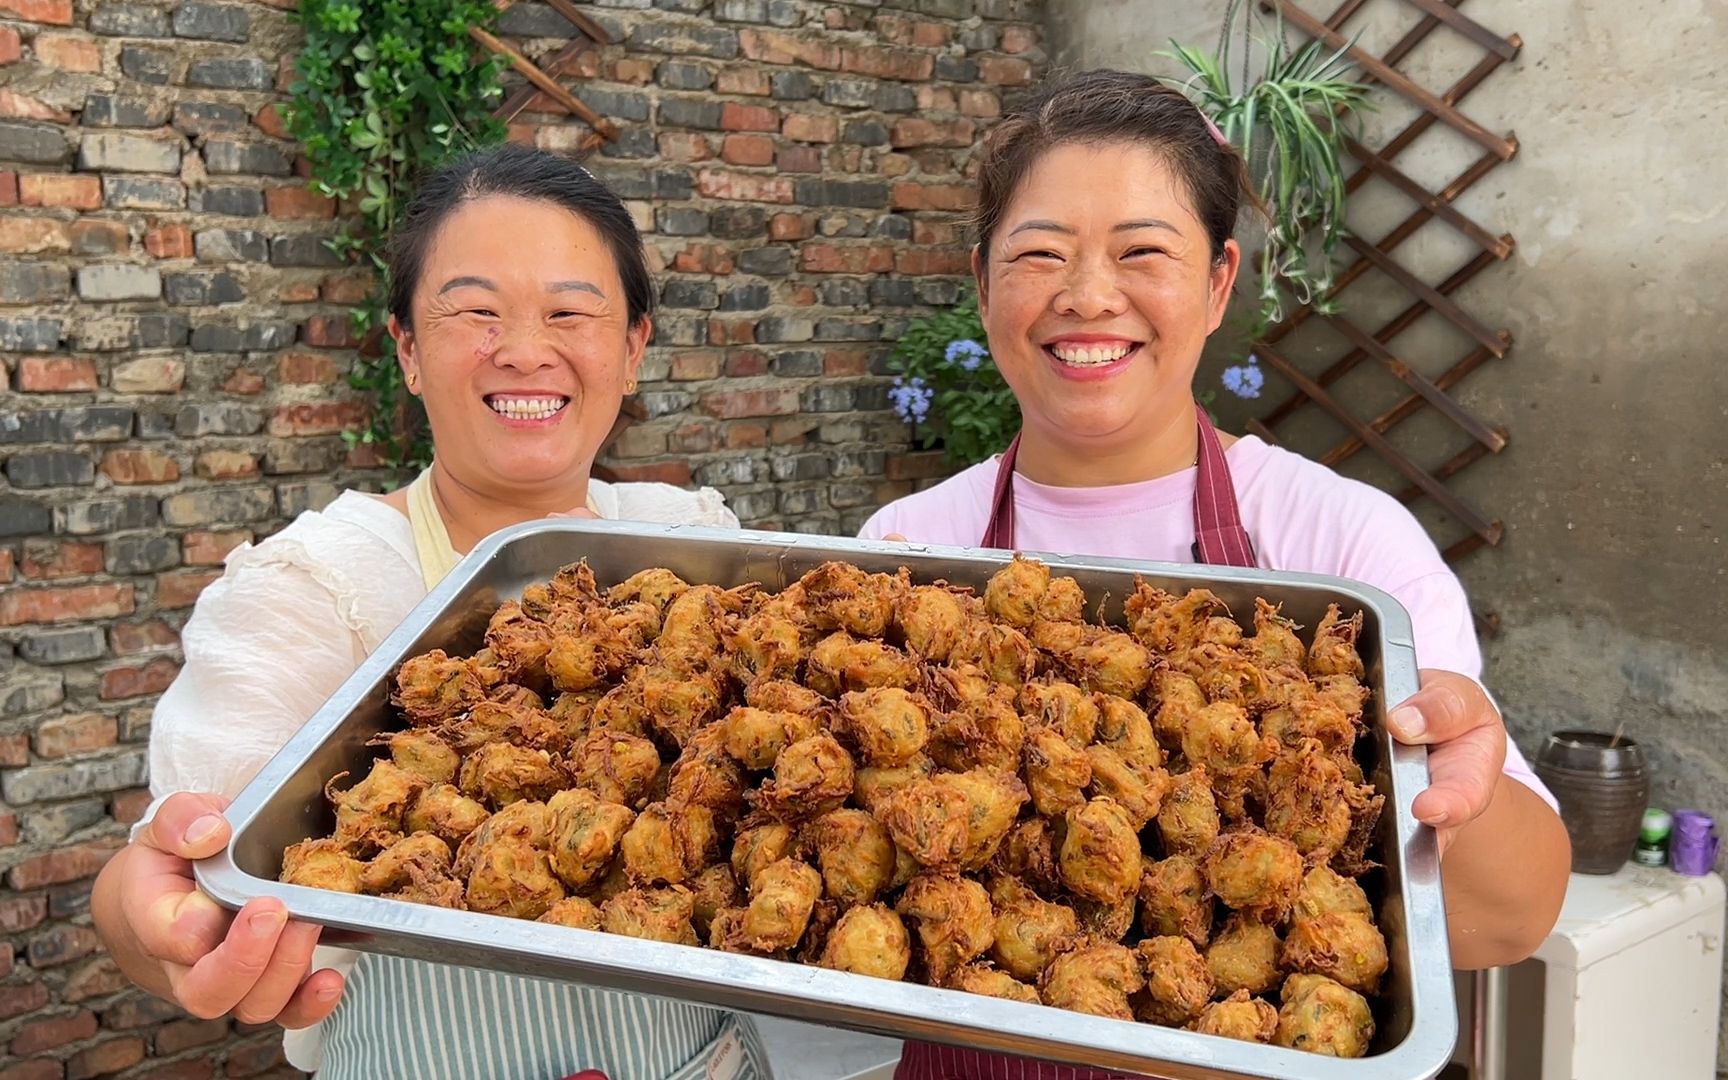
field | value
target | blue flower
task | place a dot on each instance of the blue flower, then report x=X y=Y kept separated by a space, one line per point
x=1245 y=380
x=967 y=353
x=911 y=399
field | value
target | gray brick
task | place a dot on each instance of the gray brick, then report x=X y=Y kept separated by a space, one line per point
x=142 y=554
x=94 y=517
x=534 y=20
x=22 y=697
x=617 y=104
x=766 y=261
x=784 y=13
x=893 y=292
x=680 y=221
x=33 y=283
x=685 y=293
x=842 y=431
x=146 y=65
x=821 y=525
x=849 y=93
x=296 y=499
x=119 y=281
x=52 y=824
x=95 y=423
x=956 y=68
x=52 y=468
x=256 y=337
x=217 y=418
x=864 y=133
x=683 y=7
x=690 y=113
x=33 y=144
x=287 y=456
x=845 y=292
x=234 y=201
x=202 y=288
x=219 y=505
x=806 y=501
x=21 y=517
x=750 y=296
x=751 y=505
x=827 y=397
x=777 y=328
x=224 y=156
x=799 y=467
x=946 y=9
x=860 y=194
x=893 y=227
x=113 y=151
x=212 y=22
x=738 y=222
x=981 y=38
x=683 y=75
x=247 y=73
x=849 y=495
x=852 y=226
x=211 y=118
x=685 y=39
x=728 y=471
x=671 y=329
x=854 y=463
x=800 y=364
x=848 y=330
x=749 y=11
x=142 y=193
x=231 y=245
x=160 y=331
x=155 y=424
x=673 y=183
x=303 y=251
x=71 y=646
x=873 y=398
x=29 y=334
x=939 y=292
x=129 y=20
x=793 y=85
x=632 y=142
x=38 y=782
x=660 y=403
x=107 y=110
x=624 y=181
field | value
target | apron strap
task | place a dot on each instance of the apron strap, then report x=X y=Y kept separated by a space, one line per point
x=1219 y=538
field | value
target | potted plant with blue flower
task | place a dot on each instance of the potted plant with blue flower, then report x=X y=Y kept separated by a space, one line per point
x=946 y=387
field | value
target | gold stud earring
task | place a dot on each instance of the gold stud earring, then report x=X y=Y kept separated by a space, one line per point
x=630 y=387
x=413 y=382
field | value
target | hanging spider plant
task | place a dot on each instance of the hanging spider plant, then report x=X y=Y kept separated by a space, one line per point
x=1288 y=124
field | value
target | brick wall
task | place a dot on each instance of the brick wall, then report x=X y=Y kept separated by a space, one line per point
x=174 y=342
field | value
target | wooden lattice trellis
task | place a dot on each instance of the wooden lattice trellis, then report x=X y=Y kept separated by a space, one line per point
x=1436 y=206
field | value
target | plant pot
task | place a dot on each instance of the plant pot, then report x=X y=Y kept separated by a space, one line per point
x=1602 y=784
x=919 y=466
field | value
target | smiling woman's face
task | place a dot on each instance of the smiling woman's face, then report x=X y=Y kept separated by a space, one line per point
x=521 y=345
x=1098 y=293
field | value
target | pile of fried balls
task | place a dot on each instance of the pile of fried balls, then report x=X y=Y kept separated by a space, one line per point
x=1160 y=821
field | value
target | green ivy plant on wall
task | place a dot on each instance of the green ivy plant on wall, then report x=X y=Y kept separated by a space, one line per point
x=386 y=90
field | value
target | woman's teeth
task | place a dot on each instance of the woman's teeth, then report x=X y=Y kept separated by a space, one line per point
x=526 y=408
x=1090 y=356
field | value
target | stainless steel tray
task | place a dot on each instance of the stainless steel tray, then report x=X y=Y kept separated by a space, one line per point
x=284 y=803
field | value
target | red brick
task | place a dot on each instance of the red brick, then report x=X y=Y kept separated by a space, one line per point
x=798 y=159
x=248 y=1059
x=739 y=332
x=935 y=233
x=329 y=332
x=58 y=867
x=92 y=237
x=127 y=807
x=64 y=736
x=915 y=261
x=14 y=751
x=298 y=292
x=745 y=363
x=917 y=131
x=704 y=259
x=269 y=121
x=70 y=604
x=22 y=913
x=737 y=403
x=67 y=53
x=746 y=434
x=99 y=977
x=34 y=1069
x=8 y=837
x=631 y=69
x=169 y=242
x=61 y=945
x=811 y=127
x=24 y=107
x=52 y=560
x=104 y=1058
x=347 y=288
x=840 y=362
x=180 y=589
x=854 y=259
x=321 y=418
x=11 y=45
x=1017 y=39
x=888 y=63
x=747 y=150
x=58 y=189
x=149 y=636
x=7 y=566
x=58 y=1031
x=907 y=195
x=980 y=103
x=364 y=456
x=772 y=47
x=306 y=368
x=297 y=203
x=676 y=473
x=225 y=465
x=22 y=998
x=139 y=1011
x=738 y=117
x=8 y=188
x=243 y=381
x=1004 y=70
x=33 y=235
x=790 y=227
x=693 y=438
x=684 y=146
x=139 y=467
x=793 y=430
x=931 y=35
x=210 y=548
x=53 y=12
x=185 y=1034
x=56 y=374
x=189 y=1069
x=137 y=681
x=696 y=364
x=286 y=76
x=742 y=80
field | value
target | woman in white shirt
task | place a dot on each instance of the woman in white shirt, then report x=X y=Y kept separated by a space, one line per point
x=520 y=305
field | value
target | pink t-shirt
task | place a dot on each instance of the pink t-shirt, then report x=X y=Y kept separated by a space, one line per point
x=1299 y=514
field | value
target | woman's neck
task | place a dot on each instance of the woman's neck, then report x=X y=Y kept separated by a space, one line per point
x=471 y=515
x=1060 y=462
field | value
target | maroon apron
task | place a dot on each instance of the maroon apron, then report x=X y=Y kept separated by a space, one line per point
x=1219 y=540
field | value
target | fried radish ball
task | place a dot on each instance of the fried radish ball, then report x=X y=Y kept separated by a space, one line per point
x=874 y=783
x=1274 y=642
x=1063 y=601
x=1137 y=789
x=987 y=733
x=1225 y=675
x=823 y=917
x=781 y=899
x=1056 y=773
x=1254 y=871
x=589 y=656
x=500 y=774
x=994 y=799
x=1239 y=1016
x=1222 y=738
x=513 y=722
x=1110 y=662
x=855 y=855
x=1305 y=801
x=1124 y=728
x=986 y=980
x=1100 y=854
x=1325 y=890
x=679 y=702
x=369 y=814
x=1014 y=592
x=519 y=643
x=585 y=833
x=1093 y=977
x=656 y=587
x=953 y=919
x=1188 y=817
x=1345 y=947
x=711 y=890
x=655 y=914
x=759 y=846
x=1028 y=929
x=441 y=809
x=507 y=874
x=1110 y=921
x=1071 y=711
x=690 y=627
x=840 y=662
x=812 y=776
x=928 y=821
x=706 y=775
x=764 y=646
x=890 y=725
x=1323 y=1017
x=1001 y=652
x=930 y=619
x=422 y=754
x=433 y=687
x=1334 y=649
x=617 y=767
x=755 y=736
x=1169 y=623
x=669 y=844
x=1174 y=900
x=783 y=695
x=1029 y=853
x=419 y=858
x=868 y=940
x=573 y=911
x=321 y=864
x=1178 y=982
x=1244 y=956
x=840 y=596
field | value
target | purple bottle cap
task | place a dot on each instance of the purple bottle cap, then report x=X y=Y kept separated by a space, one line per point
x=1692 y=848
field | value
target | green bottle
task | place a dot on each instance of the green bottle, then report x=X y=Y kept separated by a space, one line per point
x=1652 y=847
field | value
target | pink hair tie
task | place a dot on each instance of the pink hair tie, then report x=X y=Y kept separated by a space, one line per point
x=1212 y=129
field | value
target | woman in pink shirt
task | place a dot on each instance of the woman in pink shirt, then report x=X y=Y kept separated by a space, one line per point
x=1104 y=260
